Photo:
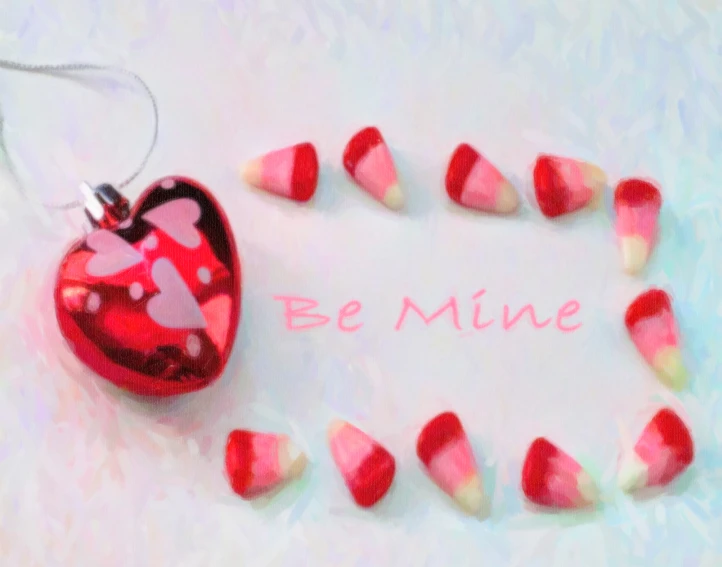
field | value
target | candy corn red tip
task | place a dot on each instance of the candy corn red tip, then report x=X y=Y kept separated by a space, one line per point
x=564 y=185
x=258 y=463
x=367 y=468
x=653 y=328
x=474 y=182
x=637 y=203
x=368 y=161
x=444 y=450
x=650 y=303
x=290 y=172
x=664 y=450
x=553 y=479
x=635 y=192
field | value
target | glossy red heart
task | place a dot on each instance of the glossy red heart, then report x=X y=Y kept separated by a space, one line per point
x=152 y=303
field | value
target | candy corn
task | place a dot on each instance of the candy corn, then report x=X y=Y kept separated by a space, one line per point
x=662 y=453
x=367 y=468
x=564 y=185
x=637 y=204
x=553 y=479
x=368 y=161
x=653 y=328
x=258 y=463
x=473 y=182
x=444 y=449
x=289 y=172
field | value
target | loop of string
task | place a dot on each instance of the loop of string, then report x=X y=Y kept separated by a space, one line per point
x=63 y=69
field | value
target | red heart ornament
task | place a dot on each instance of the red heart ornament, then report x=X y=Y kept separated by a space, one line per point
x=151 y=299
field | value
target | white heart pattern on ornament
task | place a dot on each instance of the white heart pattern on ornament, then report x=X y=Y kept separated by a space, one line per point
x=174 y=307
x=177 y=219
x=112 y=254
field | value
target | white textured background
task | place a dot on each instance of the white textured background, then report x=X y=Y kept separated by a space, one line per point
x=89 y=477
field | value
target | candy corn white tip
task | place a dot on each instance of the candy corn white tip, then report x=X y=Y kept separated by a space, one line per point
x=596 y=180
x=394 y=198
x=251 y=172
x=634 y=254
x=470 y=496
x=508 y=200
x=670 y=368
x=587 y=488
x=632 y=473
x=292 y=461
x=335 y=426
x=595 y=202
x=594 y=177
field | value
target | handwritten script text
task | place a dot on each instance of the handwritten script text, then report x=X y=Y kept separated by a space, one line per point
x=301 y=313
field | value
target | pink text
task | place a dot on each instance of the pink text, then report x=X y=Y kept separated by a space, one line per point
x=302 y=313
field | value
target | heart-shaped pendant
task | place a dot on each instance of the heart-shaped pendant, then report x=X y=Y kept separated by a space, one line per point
x=151 y=299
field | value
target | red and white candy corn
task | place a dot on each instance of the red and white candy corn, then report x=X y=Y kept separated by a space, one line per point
x=258 y=463
x=553 y=479
x=367 y=468
x=473 y=182
x=444 y=449
x=290 y=172
x=637 y=204
x=564 y=185
x=653 y=328
x=663 y=451
x=368 y=161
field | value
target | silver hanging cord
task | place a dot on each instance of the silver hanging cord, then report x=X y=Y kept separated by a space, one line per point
x=72 y=68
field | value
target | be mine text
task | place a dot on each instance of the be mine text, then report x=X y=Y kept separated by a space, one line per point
x=302 y=313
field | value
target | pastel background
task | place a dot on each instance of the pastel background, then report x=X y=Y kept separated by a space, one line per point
x=91 y=477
